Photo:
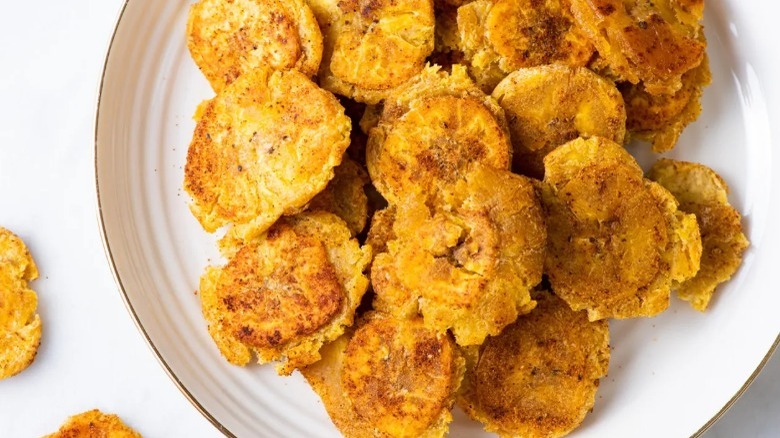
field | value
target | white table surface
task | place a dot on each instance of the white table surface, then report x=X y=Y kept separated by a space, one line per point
x=92 y=356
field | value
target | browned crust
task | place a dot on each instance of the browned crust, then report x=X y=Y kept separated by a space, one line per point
x=227 y=38
x=661 y=119
x=551 y=105
x=501 y=36
x=653 y=42
x=373 y=46
x=263 y=148
x=704 y=193
x=264 y=300
x=94 y=424
x=433 y=130
x=616 y=242
x=20 y=326
x=468 y=264
x=539 y=377
x=390 y=378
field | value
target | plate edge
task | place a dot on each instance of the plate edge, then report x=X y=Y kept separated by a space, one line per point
x=110 y=258
x=699 y=433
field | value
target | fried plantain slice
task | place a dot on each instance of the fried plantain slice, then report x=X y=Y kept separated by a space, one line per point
x=20 y=326
x=373 y=46
x=498 y=37
x=94 y=424
x=653 y=41
x=551 y=105
x=431 y=132
x=390 y=378
x=228 y=38
x=660 y=119
x=616 y=242
x=704 y=193
x=467 y=267
x=345 y=196
x=265 y=300
x=539 y=377
x=263 y=148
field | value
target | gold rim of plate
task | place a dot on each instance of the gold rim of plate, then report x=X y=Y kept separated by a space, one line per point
x=221 y=427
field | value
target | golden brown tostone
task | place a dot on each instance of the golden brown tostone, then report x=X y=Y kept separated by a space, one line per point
x=267 y=302
x=660 y=119
x=390 y=378
x=432 y=131
x=498 y=37
x=228 y=38
x=655 y=42
x=94 y=424
x=469 y=264
x=20 y=326
x=539 y=377
x=616 y=242
x=373 y=46
x=551 y=105
x=703 y=192
x=263 y=148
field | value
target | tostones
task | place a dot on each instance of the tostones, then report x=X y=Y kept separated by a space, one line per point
x=551 y=105
x=263 y=148
x=660 y=119
x=389 y=378
x=616 y=241
x=264 y=300
x=652 y=41
x=94 y=424
x=20 y=326
x=433 y=131
x=498 y=37
x=373 y=46
x=467 y=266
x=228 y=38
x=703 y=192
x=539 y=377
x=345 y=196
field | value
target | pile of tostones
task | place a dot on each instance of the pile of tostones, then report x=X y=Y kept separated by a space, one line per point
x=428 y=203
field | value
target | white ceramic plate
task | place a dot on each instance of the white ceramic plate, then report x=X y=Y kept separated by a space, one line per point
x=670 y=376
